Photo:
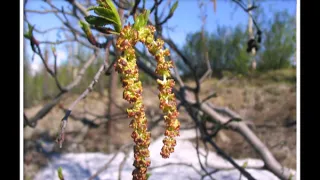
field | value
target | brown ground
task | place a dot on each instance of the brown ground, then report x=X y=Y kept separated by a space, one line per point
x=269 y=102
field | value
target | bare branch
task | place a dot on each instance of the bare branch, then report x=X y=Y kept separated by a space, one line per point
x=105 y=167
x=122 y=164
x=180 y=164
x=108 y=70
x=47 y=108
x=213 y=94
x=266 y=155
x=176 y=73
x=135 y=6
x=119 y=5
x=46 y=11
x=206 y=55
x=81 y=8
x=207 y=138
x=247 y=10
x=44 y=111
x=167 y=6
x=156 y=3
x=208 y=73
x=39 y=53
x=57 y=42
x=82 y=71
x=198 y=155
x=64 y=120
x=271 y=163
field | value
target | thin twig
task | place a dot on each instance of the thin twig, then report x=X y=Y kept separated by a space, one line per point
x=172 y=164
x=122 y=164
x=210 y=173
x=156 y=3
x=55 y=62
x=177 y=75
x=136 y=3
x=47 y=108
x=57 y=42
x=64 y=120
x=199 y=160
x=106 y=166
x=213 y=94
x=39 y=53
x=46 y=11
x=247 y=10
x=81 y=8
x=167 y=6
x=120 y=6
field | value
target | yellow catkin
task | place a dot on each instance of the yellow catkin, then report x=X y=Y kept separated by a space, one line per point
x=127 y=67
x=128 y=70
x=167 y=99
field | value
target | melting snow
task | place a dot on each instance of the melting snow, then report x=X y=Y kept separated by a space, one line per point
x=80 y=166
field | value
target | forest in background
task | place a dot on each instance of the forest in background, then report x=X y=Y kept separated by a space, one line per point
x=227 y=52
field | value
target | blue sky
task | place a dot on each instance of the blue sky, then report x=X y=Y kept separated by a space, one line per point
x=186 y=18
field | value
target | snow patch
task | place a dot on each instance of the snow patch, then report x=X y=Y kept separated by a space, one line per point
x=80 y=166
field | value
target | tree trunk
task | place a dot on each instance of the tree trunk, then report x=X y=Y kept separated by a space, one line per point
x=251 y=36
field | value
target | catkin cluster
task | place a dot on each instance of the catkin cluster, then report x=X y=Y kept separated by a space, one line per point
x=167 y=99
x=127 y=67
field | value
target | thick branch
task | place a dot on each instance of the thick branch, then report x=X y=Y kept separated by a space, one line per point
x=270 y=162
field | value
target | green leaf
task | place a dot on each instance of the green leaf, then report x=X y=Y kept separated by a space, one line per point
x=137 y=23
x=291 y=176
x=148 y=175
x=28 y=35
x=53 y=49
x=108 y=14
x=85 y=27
x=104 y=3
x=114 y=10
x=60 y=173
x=98 y=21
x=146 y=17
x=174 y=7
x=30 y=27
x=104 y=12
x=106 y=30
x=245 y=164
x=141 y=20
